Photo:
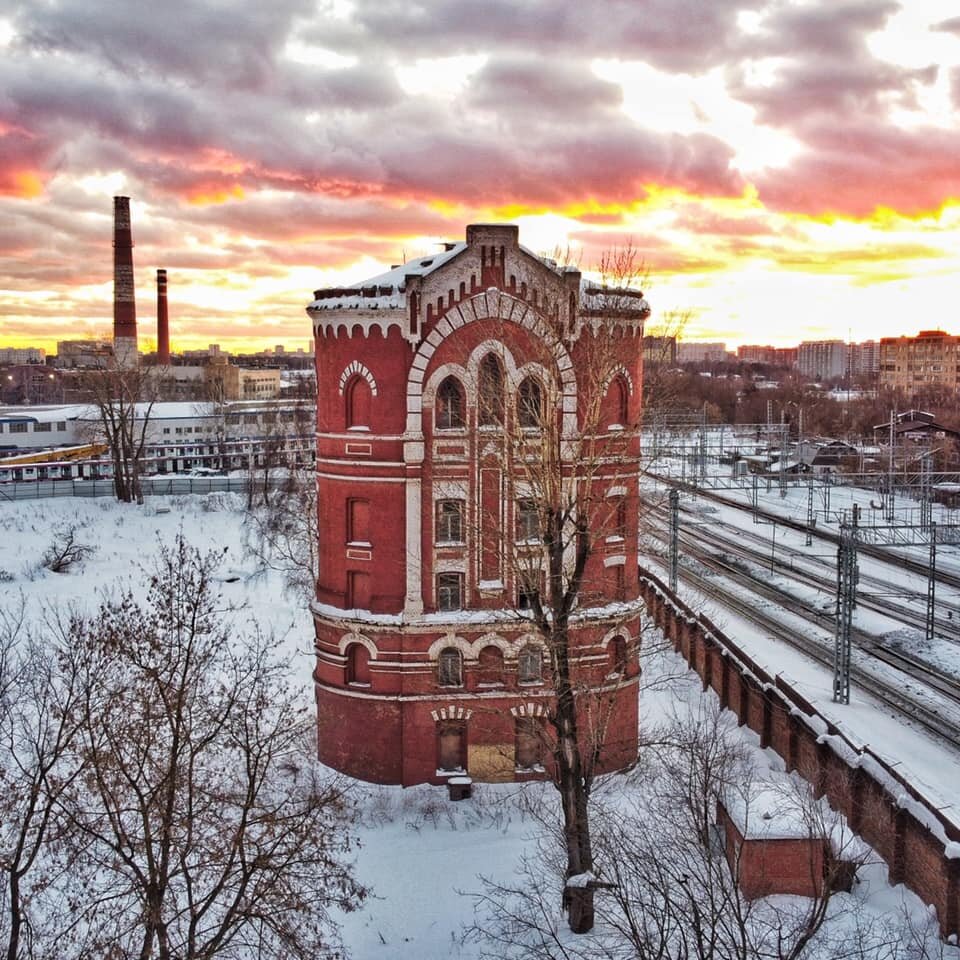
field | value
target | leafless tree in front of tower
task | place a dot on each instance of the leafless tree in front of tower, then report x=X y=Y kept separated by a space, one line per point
x=572 y=483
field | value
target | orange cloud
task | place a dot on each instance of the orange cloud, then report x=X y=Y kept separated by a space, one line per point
x=217 y=195
x=23 y=184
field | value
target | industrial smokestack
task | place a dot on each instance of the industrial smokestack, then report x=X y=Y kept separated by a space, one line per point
x=163 y=322
x=124 y=304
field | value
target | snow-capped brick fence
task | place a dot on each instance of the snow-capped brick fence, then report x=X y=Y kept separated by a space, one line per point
x=919 y=842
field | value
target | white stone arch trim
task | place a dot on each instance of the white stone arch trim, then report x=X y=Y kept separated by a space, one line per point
x=491 y=640
x=620 y=371
x=441 y=374
x=496 y=305
x=451 y=640
x=541 y=375
x=451 y=712
x=530 y=640
x=617 y=560
x=612 y=634
x=530 y=710
x=618 y=491
x=350 y=638
x=355 y=368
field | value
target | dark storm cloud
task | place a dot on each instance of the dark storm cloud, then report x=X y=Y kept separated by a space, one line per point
x=213 y=42
x=686 y=35
x=825 y=66
x=562 y=92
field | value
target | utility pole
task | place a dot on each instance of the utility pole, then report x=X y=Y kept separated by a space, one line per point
x=703 y=444
x=674 y=537
x=891 y=514
x=931 y=582
x=810 y=518
x=926 y=505
x=783 y=457
x=846 y=597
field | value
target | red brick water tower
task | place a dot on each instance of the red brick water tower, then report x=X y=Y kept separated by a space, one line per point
x=426 y=666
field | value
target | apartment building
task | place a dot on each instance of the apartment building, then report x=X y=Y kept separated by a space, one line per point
x=930 y=359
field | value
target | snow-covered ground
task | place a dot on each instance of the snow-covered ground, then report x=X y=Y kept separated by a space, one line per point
x=421 y=854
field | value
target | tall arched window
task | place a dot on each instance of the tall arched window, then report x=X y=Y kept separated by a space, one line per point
x=530 y=403
x=617 y=654
x=530 y=664
x=450 y=409
x=490 y=392
x=358 y=664
x=490 y=665
x=450 y=667
x=615 y=410
x=357 y=396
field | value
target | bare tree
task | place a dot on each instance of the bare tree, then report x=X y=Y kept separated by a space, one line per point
x=283 y=531
x=122 y=400
x=559 y=465
x=674 y=892
x=39 y=685
x=65 y=550
x=202 y=826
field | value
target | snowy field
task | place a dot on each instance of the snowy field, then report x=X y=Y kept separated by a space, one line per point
x=422 y=855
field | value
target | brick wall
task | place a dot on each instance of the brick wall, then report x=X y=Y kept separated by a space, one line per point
x=919 y=843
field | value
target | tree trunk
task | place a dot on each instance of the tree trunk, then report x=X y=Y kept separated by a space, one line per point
x=573 y=793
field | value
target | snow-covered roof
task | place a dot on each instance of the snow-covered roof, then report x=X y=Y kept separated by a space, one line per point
x=172 y=410
x=46 y=414
x=767 y=811
x=386 y=290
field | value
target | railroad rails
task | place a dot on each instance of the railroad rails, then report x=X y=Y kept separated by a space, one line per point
x=911 y=564
x=725 y=570
x=874 y=592
x=936 y=709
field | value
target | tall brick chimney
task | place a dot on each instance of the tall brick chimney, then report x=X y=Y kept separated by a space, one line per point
x=163 y=322
x=124 y=304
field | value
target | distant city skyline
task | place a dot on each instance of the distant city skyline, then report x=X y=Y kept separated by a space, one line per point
x=786 y=169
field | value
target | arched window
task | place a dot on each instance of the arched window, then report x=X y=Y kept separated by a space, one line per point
x=490 y=665
x=530 y=664
x=617 y=653
x=530 y=403
x=529 y=743
x=450 y=412
x=615 y=410
x=450 y=667
x=357 y=395
x=451 y=745
x=358 y=664
x=490 y=392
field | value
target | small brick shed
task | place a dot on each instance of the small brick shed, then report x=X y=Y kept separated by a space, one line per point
x=768 y=841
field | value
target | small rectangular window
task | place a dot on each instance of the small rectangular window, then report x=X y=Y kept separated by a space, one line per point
x=358 y=521
x=42 y=427
x=528 y=588
x=449 y=591
x=61 y=424
x=528 y=520
x=18 y=427
x=450 y=521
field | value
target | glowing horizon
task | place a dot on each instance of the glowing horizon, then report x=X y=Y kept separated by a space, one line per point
x=786 y=170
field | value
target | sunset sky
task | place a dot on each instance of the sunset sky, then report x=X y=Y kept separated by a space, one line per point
x=788 y=170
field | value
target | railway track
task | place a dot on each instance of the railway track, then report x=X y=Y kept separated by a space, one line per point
x=801 y=567
x=944 y=577
x=937 y=712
